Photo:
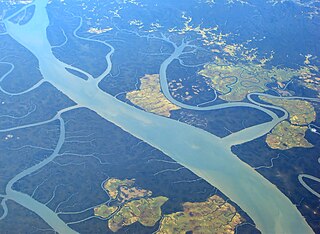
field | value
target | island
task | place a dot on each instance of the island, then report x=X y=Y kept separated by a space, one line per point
x=146 y=211
x=123 y=190
x=301 y=112
x=215 y=215
x=199 y=217
x=132 y=205
x=104 y=211
x=286 y=136
x=235 y=81
x=150 y=98
x=112 y=186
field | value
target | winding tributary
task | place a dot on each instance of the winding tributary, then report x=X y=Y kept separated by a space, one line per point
x=206 y=155
x=310 y=177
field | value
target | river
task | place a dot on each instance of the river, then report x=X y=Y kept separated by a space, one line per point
x=206 y=155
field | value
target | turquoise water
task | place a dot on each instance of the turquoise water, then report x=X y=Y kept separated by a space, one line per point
x=206 y=155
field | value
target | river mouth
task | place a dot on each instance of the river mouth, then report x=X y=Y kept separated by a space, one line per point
x=271 y=211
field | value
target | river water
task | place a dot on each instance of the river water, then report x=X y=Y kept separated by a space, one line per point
x=206 y=155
